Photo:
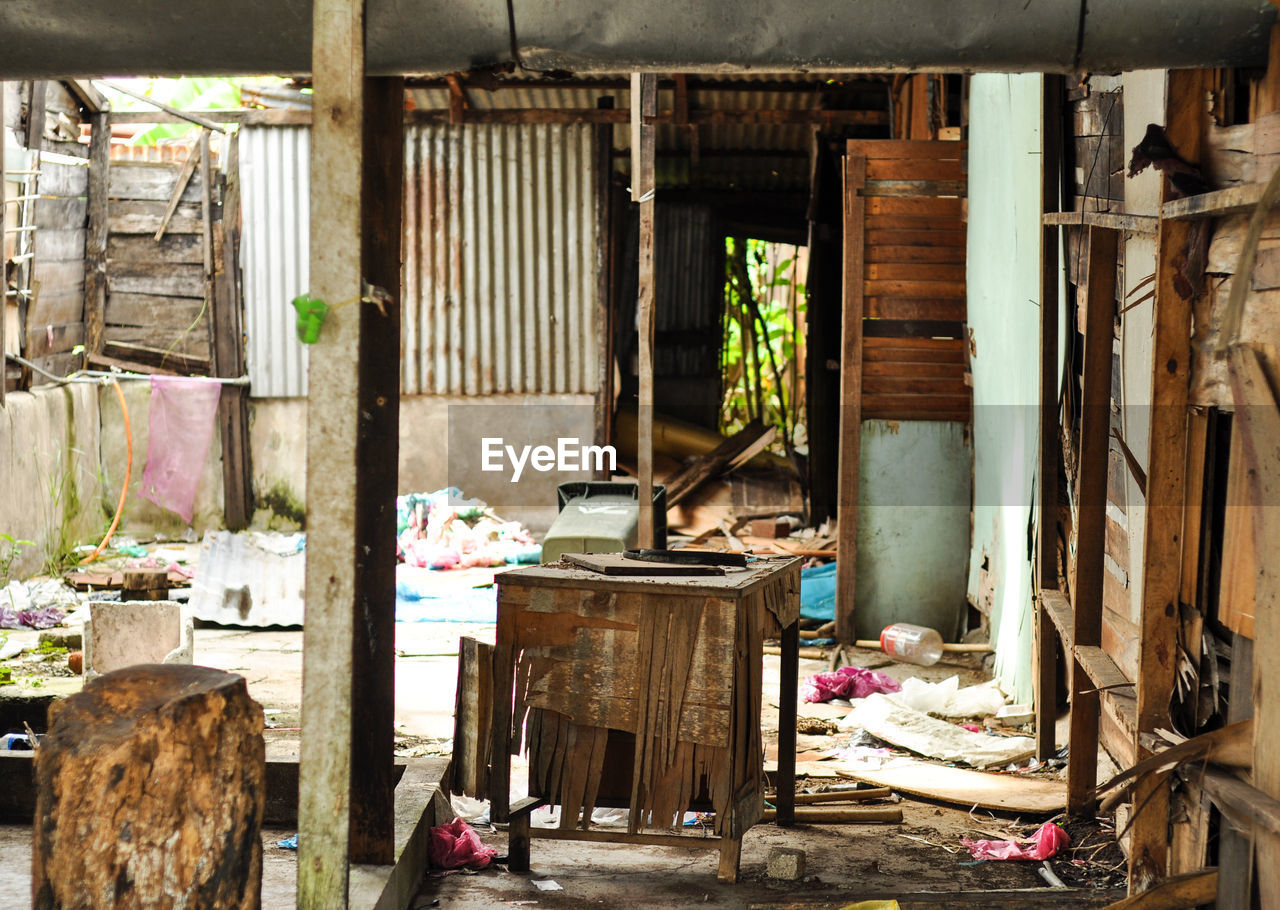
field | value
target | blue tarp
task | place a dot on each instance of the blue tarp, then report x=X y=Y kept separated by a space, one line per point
x=818 y=592
x=419 y=598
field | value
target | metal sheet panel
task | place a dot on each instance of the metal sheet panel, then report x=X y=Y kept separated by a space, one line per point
x=501 y=260
x=275 y=183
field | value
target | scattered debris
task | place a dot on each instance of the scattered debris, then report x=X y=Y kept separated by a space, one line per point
x=443 y=530
x=454 y=845
x=947 y=699
x=847 y=682
x=959 y=786
x=1046 y=842
x=547 y=884
x=918 y=732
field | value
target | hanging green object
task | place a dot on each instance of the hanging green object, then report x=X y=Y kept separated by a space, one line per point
x=311 y=313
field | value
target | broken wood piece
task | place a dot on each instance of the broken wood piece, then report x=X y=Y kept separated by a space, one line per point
x=829 y=816
x=962 y=787
x=769 y=527
x=144 y=584
x=810 y=653
x=717 y=461
x=1181 y=892
x=473 y=719
x=618 y=565
x=843 y=796
x=153 y=776
x=180 y=187
x=947 y=647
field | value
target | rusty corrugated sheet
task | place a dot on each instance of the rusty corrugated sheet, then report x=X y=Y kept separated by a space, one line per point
x=500 y=259
x=274 y=174
x=500 y=273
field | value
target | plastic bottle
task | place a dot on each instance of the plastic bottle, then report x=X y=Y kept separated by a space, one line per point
x=911 y=644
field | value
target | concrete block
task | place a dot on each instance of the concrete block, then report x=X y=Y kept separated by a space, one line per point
x=71 y=639
x=133 y=632
x=786 y=863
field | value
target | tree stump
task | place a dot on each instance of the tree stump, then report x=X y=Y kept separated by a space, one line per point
x=150 y=789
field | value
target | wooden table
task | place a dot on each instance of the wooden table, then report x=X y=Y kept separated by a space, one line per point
x=643 y=692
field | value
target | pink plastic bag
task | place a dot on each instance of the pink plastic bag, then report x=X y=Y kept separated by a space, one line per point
x=180 y=429
x=1047 y=841
x=848 y=682
x=455 y=845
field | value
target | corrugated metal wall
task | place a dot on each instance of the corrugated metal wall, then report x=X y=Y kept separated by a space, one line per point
x=275 y=169
x=501 y=259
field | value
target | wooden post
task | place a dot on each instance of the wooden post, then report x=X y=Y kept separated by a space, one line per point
x=377 y=458
x=604 y=283
x=850 y=445
x=333 y=429
x=228 y=347
x=644 y=104
x=1235 y=848
x=1046 y=678
x=95 y=243
x=151 y=786
x=788 y=692
x=1095 y=430
x=1165 y=493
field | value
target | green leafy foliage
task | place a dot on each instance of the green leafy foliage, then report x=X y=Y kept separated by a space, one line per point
x=762 y=355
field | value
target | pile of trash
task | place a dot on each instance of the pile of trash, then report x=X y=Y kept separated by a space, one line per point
x=36 y=604
x=443 y=530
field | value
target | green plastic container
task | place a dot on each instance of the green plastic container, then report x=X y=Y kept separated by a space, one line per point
x=599 y=516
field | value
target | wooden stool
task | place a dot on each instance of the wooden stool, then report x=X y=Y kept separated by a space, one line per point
x=150 y=790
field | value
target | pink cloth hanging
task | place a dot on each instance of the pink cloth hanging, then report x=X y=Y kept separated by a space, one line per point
x=181 y=427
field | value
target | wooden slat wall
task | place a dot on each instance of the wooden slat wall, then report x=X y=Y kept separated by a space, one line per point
x=913 y=280
x=156 y=289
x=55 y=317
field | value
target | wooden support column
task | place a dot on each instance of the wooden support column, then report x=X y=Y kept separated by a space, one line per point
x=1165 y=493
x=1046 y=677
x=352 y=454
x=1095 y=419
x=644 y=105
x=604 y=284
x=95 y=242
x=849 y=450
x=228 y=347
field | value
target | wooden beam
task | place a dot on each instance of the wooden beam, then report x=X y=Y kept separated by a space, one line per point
x=850 y=445
x=1235 y=845
x=644 y=101
x=1046 y=676
x=39 y=91
x=95 y=241
x=188 y=116
x=228 y=350
x=1258 y=423
x=603 y=422
x=1099 y=332
x=1182 y=892
x=246 y=116
x=1165 y=494
x=180 y=186
x=1229 y=201
x=1115 y=221
x=333 y=465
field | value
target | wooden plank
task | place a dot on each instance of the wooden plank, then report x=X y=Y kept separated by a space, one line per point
x=195 y=156
x=913 y=385
x=1237 y=595
x=1166 y=467
x=166 y=315
x=887 y=406
x=897 y=287
x=228 y=351
x=1082 y=769
x=60 y=245
x=60 y=214
x=473 y=724
x=144 y=217
x=915 y=206
x=58 y=304
x=1058 y=609
x=915 y=369
x=906 y=256
x=916 y=235
x=913 y=269
x=1235 y=844
x=920 y=222
x=1101 y=670
x=644 y=103
x=95 y=244
x=913 y=328
x=334 y=386
x=850 y=427
x=1181 y=892
x=160 y=278
x=45 y=340
x=916 y=188
x=959 y=786
x=67 y=180
x=144 y=180
x=191 y=341
x=1115 y=221
x=138 y=248
x=915 y=169
x=1230 y=201
x=916 y=309
x=162 y=358
x=927 y=149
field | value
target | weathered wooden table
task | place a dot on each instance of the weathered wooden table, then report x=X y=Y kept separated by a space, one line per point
x=643 y=692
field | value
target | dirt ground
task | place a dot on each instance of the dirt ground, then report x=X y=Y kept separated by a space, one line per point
x=843 y=864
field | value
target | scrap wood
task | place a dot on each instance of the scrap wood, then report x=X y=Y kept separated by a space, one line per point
x=960 y=786
x=1230 y=746
x=843 y=796
x=1181 y=892
x=114 y=581
x=752 y=439
x=948 y=647
x=830 y=816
